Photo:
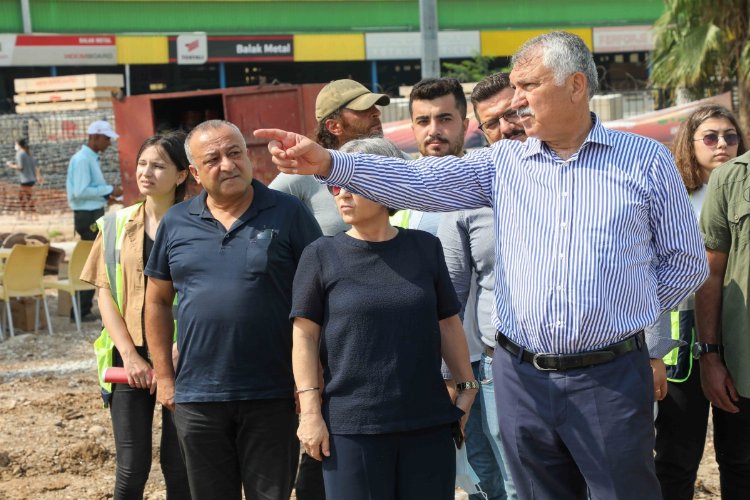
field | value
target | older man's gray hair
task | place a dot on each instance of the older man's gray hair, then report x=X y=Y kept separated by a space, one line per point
x=564 y=54
x=208 y=125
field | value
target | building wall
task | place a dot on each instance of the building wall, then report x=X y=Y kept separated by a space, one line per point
x=295 y=16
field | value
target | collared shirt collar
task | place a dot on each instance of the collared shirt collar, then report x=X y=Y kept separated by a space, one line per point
x=86 y=149
x=263 y=198
x=598 y=135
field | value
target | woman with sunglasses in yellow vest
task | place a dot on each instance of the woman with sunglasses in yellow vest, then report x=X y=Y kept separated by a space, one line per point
x=115 y=266
x=708 y=138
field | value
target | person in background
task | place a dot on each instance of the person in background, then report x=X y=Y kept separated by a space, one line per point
x=29 y=174
x=722 y=307
x=437 y=107
x=708 y=138
x=88 y=192
x=115 y=266
x=345 y=110
x=468 y=239
x=374 y=305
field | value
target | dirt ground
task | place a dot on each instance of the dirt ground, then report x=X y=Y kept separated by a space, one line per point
x=55 y=437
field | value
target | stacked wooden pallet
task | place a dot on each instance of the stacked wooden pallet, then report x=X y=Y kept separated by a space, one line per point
x=63 y=93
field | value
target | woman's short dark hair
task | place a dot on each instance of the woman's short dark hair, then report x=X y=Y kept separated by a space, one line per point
x=683 y=146
x=374 y=146
x=173 y=144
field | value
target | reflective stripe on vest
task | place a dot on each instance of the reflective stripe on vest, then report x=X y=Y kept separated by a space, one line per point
x=401 y=218
x=112 y=228
x=679 y=361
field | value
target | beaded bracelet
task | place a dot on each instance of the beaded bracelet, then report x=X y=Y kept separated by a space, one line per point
x=308 y=389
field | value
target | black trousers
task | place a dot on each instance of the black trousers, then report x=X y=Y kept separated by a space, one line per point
x=132 y=412
x=680 y=436
x=415 y=465
x=84 y=222
x=235 y=445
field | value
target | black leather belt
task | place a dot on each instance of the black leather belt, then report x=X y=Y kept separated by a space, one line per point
x=557 y=362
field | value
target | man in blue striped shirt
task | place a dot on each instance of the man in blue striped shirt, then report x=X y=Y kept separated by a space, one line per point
x=595 y=237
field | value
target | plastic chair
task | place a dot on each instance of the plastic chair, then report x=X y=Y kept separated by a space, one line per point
x=23 y=278
x=73 y=284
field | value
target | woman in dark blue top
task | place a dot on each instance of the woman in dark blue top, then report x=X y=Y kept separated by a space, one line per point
x=375 y=307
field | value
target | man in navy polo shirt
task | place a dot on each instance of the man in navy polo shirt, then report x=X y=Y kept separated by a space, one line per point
x=231 y=254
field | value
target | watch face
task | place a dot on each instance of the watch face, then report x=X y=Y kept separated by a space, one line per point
x=697 y=350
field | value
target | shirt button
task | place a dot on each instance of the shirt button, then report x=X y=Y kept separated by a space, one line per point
x=564 y=225
x=564 y=194
x=559 y=323
x=562 y=255
x=559 y=288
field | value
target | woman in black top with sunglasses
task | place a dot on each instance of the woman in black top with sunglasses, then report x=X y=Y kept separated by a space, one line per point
x=375 y=307
x=710 y=137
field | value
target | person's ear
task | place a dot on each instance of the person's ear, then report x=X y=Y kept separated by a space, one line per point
x=334 y=126
x=578 y=85
x=194 y=171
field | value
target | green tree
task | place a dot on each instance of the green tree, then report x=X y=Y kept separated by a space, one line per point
x=703 y=46
x=470 y=70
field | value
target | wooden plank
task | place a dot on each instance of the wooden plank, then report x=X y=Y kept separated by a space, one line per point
x=70 y=95
x=68 y=82
x=64 y=106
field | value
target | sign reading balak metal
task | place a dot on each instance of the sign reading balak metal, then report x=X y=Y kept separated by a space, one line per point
x=236 y=49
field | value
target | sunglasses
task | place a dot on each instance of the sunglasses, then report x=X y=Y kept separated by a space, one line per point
x=335 y=190
x=711 y=140
x=510 y=116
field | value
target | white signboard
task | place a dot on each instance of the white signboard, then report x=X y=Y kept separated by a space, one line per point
x=58 y=50
x=623 y=39
x=389 y=46
x=192 y=49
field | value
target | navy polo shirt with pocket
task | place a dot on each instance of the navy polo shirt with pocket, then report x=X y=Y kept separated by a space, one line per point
x=235 y=294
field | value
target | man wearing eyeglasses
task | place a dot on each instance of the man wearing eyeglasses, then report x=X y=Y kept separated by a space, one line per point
x=468 y=238
x=594 y=238
x=491 y=100
x=722 y=313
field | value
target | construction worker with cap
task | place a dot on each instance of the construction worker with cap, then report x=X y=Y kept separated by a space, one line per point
x=88 y=192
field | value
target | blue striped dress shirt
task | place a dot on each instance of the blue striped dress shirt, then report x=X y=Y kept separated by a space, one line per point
x=588 y=250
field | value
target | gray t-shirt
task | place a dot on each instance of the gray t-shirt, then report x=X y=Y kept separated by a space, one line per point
x=316 y=197
x=468 y=238
x=28 y=167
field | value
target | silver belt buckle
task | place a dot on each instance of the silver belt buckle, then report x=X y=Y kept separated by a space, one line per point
x=535 y=364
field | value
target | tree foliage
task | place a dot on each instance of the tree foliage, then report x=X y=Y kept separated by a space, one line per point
x=703 y=45
x=470 y=70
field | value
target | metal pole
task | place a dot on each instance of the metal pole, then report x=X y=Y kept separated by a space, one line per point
x=26 y=16
x=374 y=76
x=127 y=79
x=428 y=27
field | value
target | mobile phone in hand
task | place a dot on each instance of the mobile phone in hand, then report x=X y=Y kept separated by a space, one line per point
x=458 y=435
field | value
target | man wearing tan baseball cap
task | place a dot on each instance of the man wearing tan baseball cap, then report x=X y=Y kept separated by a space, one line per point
x=346 y=110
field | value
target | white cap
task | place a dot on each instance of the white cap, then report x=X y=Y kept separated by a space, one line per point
x=102 y=128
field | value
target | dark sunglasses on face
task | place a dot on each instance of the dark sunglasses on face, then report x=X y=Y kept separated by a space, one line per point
x=510 y=116
x=711 y=140
x=334 y=190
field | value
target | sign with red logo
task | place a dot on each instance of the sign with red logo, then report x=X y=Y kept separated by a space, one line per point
x=183 y=48
x=192 y=49
x=58 y=50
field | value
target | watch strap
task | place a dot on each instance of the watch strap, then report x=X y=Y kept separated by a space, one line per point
x=470 y=384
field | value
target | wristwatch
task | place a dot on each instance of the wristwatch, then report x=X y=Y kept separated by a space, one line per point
x=471 y=384
x=701 y=348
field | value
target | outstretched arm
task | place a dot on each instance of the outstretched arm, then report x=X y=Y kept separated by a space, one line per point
x=296 y=154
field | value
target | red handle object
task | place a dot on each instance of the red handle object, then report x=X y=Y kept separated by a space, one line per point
x=118 y=375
